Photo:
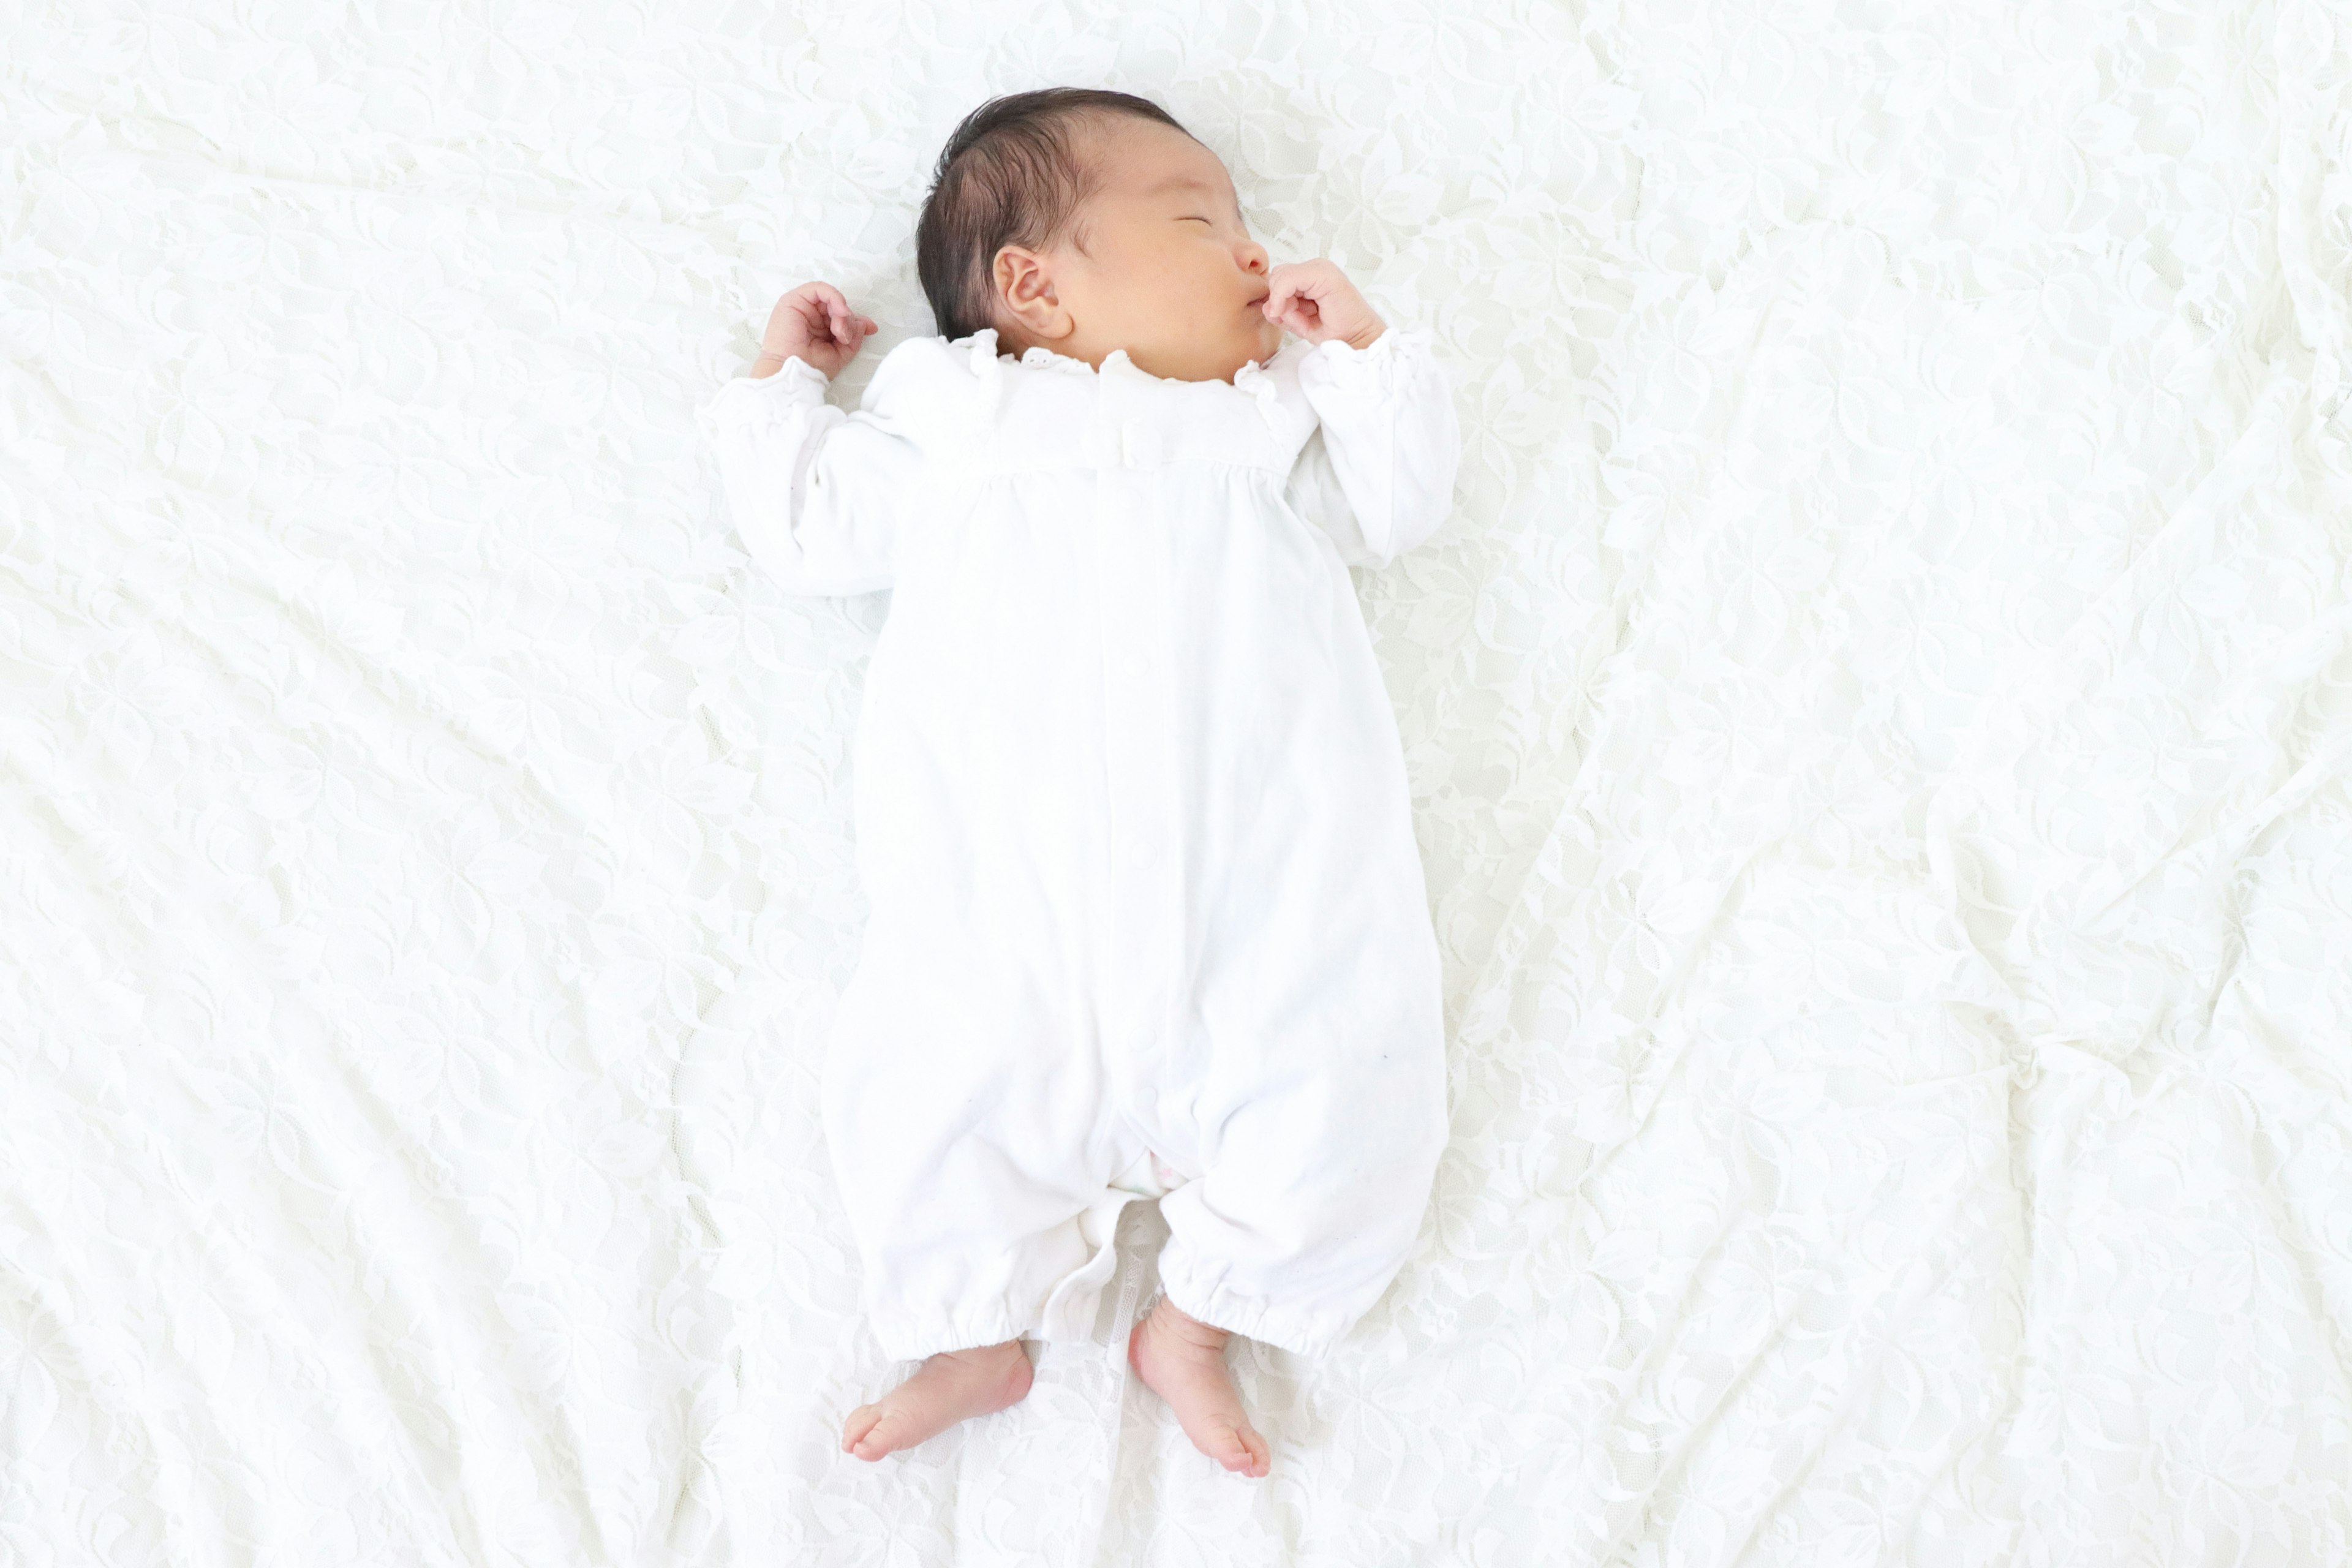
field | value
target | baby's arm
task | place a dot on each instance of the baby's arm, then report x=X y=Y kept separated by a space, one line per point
x=1377 y=473
x=816 y=494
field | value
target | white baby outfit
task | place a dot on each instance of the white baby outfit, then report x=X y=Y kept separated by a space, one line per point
x=1145 y=909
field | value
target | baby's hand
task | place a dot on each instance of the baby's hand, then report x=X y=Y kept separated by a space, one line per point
x=815 y=323
x=1314 y=300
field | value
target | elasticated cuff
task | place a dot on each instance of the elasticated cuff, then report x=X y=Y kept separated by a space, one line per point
x=763 y=400
x=1340 y=362
x=904 y=1340
x=1306 y=1333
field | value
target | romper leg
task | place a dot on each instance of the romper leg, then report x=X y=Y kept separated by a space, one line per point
x=1320 y=1120
x=961 y=1114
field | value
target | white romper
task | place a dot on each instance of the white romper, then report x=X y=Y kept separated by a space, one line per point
x=1132 y=819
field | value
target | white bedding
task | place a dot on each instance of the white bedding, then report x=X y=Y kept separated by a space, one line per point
x=1880 y=724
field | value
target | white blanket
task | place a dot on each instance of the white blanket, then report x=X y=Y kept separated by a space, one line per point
x=1880 y=726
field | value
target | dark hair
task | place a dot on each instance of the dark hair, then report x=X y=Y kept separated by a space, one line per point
x=1012 y=174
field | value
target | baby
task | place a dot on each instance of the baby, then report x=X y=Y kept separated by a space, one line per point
x=1146 y=916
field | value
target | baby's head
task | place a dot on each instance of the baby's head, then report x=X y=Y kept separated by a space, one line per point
x=1082 y=221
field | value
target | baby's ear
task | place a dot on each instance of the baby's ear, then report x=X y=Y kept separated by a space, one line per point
x=1026 y=301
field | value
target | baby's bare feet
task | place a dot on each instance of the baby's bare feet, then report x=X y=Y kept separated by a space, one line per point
x=1182 y=1360
x=945 y=1389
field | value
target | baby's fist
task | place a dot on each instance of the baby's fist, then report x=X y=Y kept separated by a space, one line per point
x=815 y=323
x=1314 y=300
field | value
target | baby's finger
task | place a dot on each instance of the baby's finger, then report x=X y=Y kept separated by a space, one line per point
x=1298 y=312
x=814 y=312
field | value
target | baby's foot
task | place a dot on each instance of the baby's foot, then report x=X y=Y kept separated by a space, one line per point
x=945 y=1389
x=1182 y=1360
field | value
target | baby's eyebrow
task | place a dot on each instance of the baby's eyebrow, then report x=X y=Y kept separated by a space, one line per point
x=1174 y=181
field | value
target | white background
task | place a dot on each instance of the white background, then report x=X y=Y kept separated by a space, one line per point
x=1878 y=723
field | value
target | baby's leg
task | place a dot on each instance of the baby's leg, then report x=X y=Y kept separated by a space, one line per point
x=945 y=1389
x=1182 y=1360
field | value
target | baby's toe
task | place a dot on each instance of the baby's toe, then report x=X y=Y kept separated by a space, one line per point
x=1240 y=1449
x=864 y=1434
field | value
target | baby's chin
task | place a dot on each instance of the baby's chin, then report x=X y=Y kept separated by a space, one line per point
x=1197 y=360
x=1258 y=344
x=1269 y=339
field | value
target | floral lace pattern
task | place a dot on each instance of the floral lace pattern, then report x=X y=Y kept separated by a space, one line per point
x=1879 y=728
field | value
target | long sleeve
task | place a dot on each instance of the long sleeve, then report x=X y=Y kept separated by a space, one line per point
x=1378 y=474
x=819 y=496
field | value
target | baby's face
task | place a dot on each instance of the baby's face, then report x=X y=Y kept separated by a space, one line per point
x=1174 y=278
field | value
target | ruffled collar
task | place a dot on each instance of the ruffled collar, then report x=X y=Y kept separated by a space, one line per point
x=985 y=360
x=1253 y=379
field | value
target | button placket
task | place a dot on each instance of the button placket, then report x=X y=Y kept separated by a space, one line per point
x=1138 y=769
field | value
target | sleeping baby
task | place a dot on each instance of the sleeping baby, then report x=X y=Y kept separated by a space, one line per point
x=1146 y=918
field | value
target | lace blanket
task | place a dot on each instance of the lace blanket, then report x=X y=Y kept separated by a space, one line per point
x=1879 y=726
